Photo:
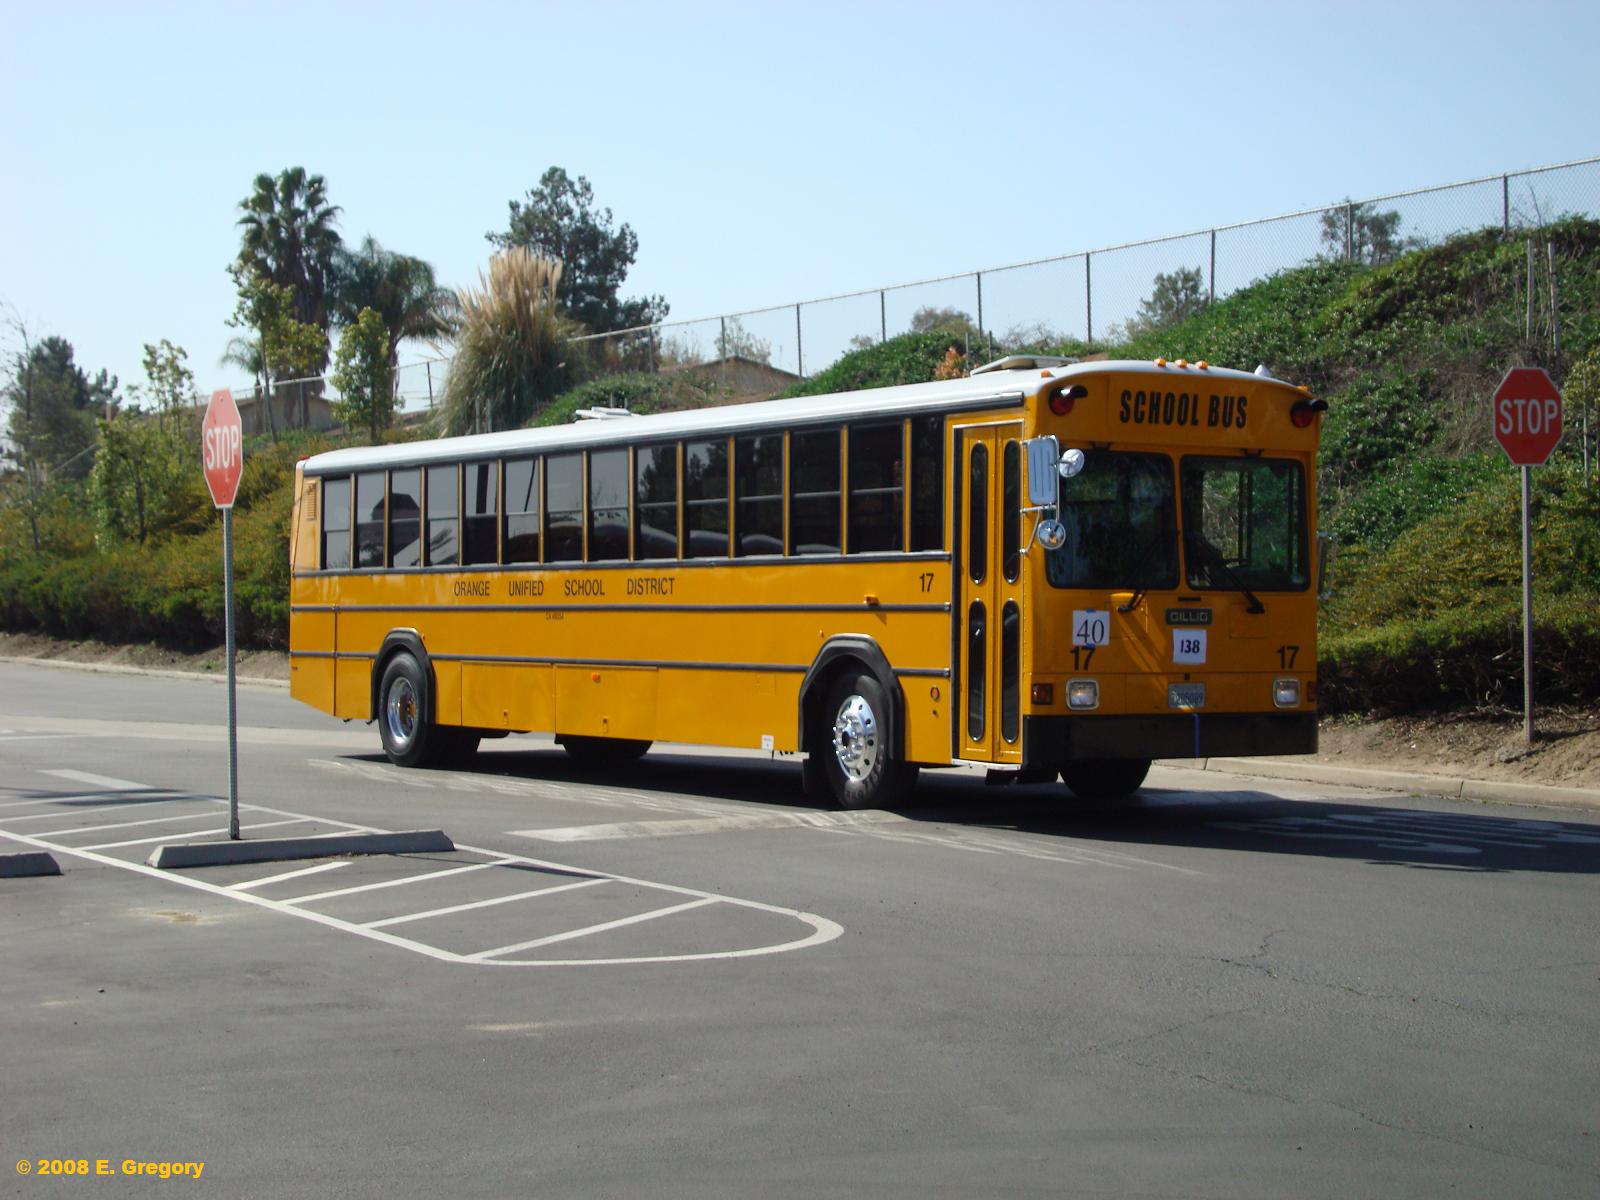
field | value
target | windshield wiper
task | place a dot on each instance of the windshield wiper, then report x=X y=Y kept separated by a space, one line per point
x=1204 y=550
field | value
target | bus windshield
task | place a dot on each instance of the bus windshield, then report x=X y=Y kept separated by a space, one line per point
x=1120 y=524
x=1244 y=524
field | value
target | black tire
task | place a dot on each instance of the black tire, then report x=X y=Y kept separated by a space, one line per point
x=858 y=759
x=603 y=751
x=410 y=739
x=1105 y=778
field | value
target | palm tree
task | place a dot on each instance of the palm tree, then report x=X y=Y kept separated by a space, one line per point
x=400 y=289
x=509 y=358
x=288 y=236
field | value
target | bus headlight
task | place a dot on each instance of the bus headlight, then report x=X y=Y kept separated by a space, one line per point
x=1083 y=693
x=1286 y=693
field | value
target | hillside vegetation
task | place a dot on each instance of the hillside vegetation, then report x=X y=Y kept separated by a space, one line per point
x=1426 y=606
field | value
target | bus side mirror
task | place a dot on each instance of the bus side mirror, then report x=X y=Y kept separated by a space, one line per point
x=1047 y=467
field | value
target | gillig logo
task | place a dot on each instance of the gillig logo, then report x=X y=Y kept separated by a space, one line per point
x=1183 y=408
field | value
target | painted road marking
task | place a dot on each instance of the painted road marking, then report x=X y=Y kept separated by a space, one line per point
x=818 y=930
x=389 y=883
x=720 y=824
x=55 y=814
x=102 y=783
x=192 y=833
x=200 y=816
x=270 y=879
x=456 y=908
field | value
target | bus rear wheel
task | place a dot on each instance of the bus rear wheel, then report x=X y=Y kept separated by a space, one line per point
x=857 y=758
x=604 y=751
x=1105 y=778
x=410 y=739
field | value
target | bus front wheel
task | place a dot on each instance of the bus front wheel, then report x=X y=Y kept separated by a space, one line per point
x=1105 y=778
x=409 y=738
x=857 y=757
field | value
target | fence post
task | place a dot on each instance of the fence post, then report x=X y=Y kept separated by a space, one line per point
x=1213 y=275
x=1505 y=206
x=978 y=275
x=1088 y=300
x=883 y=316
x=1349 y=232
x=429 y=366
x=799 y=345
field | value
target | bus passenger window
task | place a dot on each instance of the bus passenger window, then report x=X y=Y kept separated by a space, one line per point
x=480 y=541
x=758 y=494
x=1011 y=511
x=608 y=505
x=978 y=514
x=655 y=502
x=336 y=523
x=877 y=488
x=927 y=483
x=369 y=519
x=705 y=498
x=405 y=518
x=522 y=510
x=563 y=500
x=814 y=492
x=443 y=540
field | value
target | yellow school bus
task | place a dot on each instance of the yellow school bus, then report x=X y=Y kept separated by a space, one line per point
x=1050 y=567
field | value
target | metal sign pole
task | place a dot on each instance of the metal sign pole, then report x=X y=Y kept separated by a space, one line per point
x=1527 y=607
x=233 y=722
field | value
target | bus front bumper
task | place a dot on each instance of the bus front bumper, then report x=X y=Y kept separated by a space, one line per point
x=1055 y=741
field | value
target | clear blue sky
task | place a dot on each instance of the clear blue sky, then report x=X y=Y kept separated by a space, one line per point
x=763 y=152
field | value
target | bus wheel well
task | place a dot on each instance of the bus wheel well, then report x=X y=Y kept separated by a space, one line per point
x=839 y=657
x=410 y=641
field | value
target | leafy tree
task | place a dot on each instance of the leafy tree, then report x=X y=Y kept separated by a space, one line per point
x=284 y=347
x=929 y=319
x=1175 y=297
x=558 y=221
x=364 y=375
x=145 y=458
x=288 y=237
x=735 y=341
x=54 y=404
x=511 y=350
x=1362 y=234
x=400 y=289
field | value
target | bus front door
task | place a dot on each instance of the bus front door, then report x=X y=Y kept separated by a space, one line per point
x=988 y=612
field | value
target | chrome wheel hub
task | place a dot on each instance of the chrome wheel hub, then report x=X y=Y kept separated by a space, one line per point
x=400 y=713
x=855 y=738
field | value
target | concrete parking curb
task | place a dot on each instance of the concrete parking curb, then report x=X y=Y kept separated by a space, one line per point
x=1450 y=787
x=216 y=854
x=28 y=863
x=220 y=676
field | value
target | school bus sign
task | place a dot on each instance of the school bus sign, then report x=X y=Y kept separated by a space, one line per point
x=1527 y=416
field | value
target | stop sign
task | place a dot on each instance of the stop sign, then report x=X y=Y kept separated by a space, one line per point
x=1527 y=416
x=222 y=448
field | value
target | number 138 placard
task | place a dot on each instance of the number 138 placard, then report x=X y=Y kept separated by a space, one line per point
x=1188 y=645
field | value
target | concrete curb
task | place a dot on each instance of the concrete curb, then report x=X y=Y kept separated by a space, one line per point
x=1449 y=787
x=160 y=672
x=28 y=863
x=216 y=854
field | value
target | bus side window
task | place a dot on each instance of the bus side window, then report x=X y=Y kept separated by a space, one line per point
x=608 y=505
x=655 y=502
x=758 y=494
x=877 y=488
x=480 y=541
x=336 y=523
x=522 y=510
x=443 y=540
x=927 y=483
x=705 y=496
x=369 y=519
x=563 y=508
x=405 y=518
x=814 y=492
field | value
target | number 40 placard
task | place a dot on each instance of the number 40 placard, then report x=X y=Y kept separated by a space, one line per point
x=1188 y=645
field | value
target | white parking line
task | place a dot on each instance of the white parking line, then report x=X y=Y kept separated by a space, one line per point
x=199 y=816
x=55 y=814
x=718 y=824
x=320 y=867
x=388 y=883
x=456 y=908
x=167 y=837
x=103 y=783
x=481 y=955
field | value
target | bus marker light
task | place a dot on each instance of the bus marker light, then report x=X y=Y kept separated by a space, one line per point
x=595 y=676
x=1161 y=362
x=1202 y=365
x=1083 y=693
x=1044 y=693
x=871 y=600
x=933 y=693
x=1183 y=364
x=1305 y=411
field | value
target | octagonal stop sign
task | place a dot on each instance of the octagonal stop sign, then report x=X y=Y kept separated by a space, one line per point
x=222 y=448
x=1527 y=416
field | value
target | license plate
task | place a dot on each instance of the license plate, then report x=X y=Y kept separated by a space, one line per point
x=1188 y=616
x=1186 y=695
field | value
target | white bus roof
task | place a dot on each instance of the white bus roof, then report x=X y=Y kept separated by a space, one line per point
x=998 y=386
